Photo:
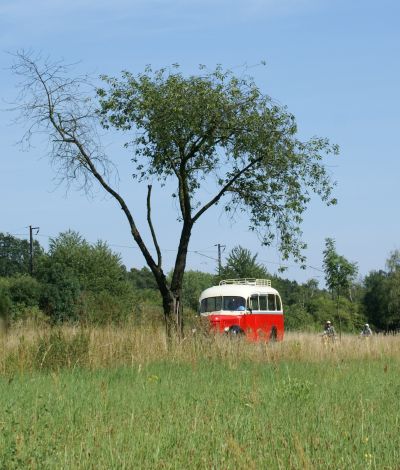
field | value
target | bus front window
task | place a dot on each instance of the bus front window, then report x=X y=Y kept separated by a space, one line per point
x=234 y=303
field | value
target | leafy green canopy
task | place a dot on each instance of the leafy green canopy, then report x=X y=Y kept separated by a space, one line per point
x=14 y=255
x=339 y=272
x=95 y=266
x=219 y=128
x=382 y=294
x=241 y=263
x=82 y=280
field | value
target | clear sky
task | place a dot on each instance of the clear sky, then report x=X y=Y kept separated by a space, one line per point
x=335 y=64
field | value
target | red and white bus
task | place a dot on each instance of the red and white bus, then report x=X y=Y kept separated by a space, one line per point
x=249 y=307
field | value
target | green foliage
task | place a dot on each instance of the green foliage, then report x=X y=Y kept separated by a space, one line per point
x=101 y=308
x=339 y=272
x=290 y=291
x=142 y=278
x=215 y=123
x=393 y=262
x=95 y=267
x=21 y=295
x=14 y=255
x=194 y=282
x=393 y=290
x=5 y=304
x=375 y=299
x=80 y=282
x=24 y=290
x=60 y=291
x=83 y=281
x=382 y=295
x=241 y=263
x=30 y=316
x=341 y=312
x=297 y=317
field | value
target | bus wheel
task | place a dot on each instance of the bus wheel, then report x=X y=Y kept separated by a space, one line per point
x=273 y=336
x=235 y=331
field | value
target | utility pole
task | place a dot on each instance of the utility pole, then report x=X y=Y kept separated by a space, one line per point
x=31 y=229
x=219 y=257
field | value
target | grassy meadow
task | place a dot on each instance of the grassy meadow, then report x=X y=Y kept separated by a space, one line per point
x=107 y=398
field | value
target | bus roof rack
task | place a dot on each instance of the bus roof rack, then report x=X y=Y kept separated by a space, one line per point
x=246 y=282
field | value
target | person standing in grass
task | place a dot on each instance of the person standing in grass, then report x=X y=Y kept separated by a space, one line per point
x=366 y=331
x=329 y=331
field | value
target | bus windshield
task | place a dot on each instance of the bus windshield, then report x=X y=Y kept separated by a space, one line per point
x=234 y=303
x=215 y=304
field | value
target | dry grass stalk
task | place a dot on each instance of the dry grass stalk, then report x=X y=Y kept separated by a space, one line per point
x=113 y=346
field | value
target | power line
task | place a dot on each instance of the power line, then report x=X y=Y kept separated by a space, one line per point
x=200 y=252
x=205 y=256
x=290 y=265
x=173 y=250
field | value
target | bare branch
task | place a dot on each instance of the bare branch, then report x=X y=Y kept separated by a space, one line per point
x=60 y=107
x=225 y=188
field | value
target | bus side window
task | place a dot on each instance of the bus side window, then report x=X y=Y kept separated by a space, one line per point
x=263 y=302
x=203 y=307
x=278 y=302
x=211 y=304
x=254 y=302
x=271 y=302
x=218 y=303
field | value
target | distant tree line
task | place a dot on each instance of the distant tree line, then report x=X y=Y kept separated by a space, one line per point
x=76 y=281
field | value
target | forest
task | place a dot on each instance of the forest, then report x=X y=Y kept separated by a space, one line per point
x=77 y=282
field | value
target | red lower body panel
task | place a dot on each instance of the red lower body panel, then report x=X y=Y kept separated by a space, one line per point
x=255 y=326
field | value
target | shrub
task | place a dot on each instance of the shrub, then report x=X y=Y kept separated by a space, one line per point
x=32 y=316
x=24 y=290
x=60 y=292
x=104 y=308
x=297 y=318
x=95 y=266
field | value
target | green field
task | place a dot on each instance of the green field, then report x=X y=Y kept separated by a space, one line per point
x=215 y=404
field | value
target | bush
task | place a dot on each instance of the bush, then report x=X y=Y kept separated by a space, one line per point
x=103 y=308
x=32 y=316
x=24 y=290
x=60 y=293
x=346 y=313
x=95 y=266
x=298 y=318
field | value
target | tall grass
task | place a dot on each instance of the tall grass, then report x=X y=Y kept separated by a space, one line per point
x=124 y=398
x=25 y=349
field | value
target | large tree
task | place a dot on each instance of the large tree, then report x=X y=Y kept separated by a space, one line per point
x=340 y=273
x=382 y=295
x=212 y=127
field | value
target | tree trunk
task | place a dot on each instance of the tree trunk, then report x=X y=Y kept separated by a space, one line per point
x=177 y=276
x=173 y=315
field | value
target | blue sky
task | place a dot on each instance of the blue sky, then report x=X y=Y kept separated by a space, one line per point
x=335 y=64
